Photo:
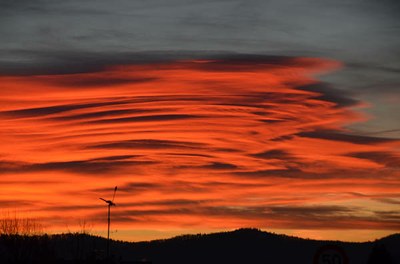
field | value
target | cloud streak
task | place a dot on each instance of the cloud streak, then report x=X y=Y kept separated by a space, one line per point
x=213 y=143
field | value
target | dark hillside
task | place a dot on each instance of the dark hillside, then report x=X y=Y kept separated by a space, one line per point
x=239 y=246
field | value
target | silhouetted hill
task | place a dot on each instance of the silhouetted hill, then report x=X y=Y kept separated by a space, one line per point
x=239 y=246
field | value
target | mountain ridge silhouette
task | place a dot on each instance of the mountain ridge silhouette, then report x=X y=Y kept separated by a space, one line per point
x=245 y=245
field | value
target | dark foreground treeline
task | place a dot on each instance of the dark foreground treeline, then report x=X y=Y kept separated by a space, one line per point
x=241 y=246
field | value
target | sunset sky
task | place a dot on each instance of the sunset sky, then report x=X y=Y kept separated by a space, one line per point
x=209 y=116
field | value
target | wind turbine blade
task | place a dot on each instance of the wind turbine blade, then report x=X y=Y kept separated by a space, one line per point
x=115 y=190
x=103 y=199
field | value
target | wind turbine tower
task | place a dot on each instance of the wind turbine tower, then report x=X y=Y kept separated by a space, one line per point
x=110 y=203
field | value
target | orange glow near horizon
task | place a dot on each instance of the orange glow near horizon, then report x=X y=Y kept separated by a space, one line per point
x=195 y=145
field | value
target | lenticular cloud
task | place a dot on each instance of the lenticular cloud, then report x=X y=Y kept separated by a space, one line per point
x=207 y=143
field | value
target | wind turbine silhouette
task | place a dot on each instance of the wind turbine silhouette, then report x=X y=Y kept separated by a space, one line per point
x=110 y=203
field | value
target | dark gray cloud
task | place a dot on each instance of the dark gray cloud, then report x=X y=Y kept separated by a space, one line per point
x=274 y=154
x=73 y=62
x=100 y=114
x=181 y=186
x=94 y=81
x=167 y=203
x=97 y=166
x=216 y=166
x=220 y=166
x=155 y=212
x=329 y=93
x=298 y=170
x=243 y=62
x=289 y=172
x=147 y=118
x=338 y=136
x=283 y=138
x=50 y=62
x=191 y=154
x=149 y=144
x=385 y=158
x=56 y=109
x=38 y=30
x=133 y=187
x=388 y=215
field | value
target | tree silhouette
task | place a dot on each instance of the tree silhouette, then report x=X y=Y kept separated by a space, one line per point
x=380 y=255
x=12 y=224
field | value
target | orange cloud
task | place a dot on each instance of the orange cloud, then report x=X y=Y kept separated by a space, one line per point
x=195 y=145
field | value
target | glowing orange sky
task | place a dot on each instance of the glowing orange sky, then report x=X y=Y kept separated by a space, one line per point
x=195 y=145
